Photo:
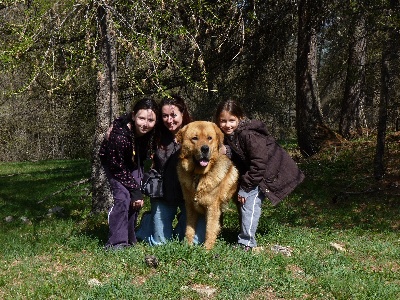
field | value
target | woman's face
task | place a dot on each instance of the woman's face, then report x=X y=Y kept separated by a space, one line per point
x=145 y=120
x=172 y=117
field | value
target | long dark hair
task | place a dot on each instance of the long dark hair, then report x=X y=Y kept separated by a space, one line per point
x=145 y=103
x=230 y=106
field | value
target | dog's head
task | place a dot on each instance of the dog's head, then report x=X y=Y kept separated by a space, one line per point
x=200 y=142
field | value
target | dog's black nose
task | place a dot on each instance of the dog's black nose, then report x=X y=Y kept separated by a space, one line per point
x=204 y=149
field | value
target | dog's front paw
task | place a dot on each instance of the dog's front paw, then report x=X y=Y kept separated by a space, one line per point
x=209 y=245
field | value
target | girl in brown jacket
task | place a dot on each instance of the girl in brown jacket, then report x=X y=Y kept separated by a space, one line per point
x=266 y=169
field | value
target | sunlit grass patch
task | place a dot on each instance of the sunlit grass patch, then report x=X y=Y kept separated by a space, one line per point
x=340 y=228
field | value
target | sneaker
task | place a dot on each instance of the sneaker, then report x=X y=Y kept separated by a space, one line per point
x=247 y=248
x=243 y=247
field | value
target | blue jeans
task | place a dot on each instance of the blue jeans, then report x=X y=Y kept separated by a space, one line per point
x=157 y=228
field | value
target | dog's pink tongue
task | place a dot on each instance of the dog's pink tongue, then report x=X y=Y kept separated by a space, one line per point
x=203 y=163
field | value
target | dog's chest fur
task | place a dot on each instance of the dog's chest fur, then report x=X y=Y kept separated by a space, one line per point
x=218 y=183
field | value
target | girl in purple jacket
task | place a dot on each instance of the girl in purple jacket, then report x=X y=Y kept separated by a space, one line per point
x=266 y=170
x=122 y=154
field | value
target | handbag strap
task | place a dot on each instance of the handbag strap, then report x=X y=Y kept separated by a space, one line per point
x=140 y=173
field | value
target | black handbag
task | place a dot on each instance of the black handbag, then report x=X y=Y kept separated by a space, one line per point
x=152 y=184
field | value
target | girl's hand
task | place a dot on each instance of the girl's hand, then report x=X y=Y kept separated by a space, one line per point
x=241 y=199
x=138 y=204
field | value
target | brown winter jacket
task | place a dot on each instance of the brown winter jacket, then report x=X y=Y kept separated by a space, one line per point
x=262 y=162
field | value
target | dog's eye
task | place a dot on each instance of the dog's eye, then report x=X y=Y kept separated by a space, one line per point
x=195 y=138
x=209 y=138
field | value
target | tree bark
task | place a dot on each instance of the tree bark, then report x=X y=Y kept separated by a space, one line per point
x=107 y=108
x=389 y=54
x=352 y=118
x=312 y=133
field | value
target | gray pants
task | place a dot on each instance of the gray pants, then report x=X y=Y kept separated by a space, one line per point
x=250 y=213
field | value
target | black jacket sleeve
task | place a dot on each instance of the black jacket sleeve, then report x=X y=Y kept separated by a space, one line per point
x=136 y=194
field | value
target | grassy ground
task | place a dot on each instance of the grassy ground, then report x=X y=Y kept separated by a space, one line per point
x=340 y=227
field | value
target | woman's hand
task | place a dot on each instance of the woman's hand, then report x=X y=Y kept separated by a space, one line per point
x=222 y=149
x=107 y=135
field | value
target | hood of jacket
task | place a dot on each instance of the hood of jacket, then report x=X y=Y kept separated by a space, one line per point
x=120 y=126
x=254 y=125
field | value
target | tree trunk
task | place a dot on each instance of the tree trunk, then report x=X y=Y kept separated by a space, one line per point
x=352 y=118
x=107 y=108
x=389 y=54
x=312 y=133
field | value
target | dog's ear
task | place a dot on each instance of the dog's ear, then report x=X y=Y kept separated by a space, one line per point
x=179 y=135
x=220 y=135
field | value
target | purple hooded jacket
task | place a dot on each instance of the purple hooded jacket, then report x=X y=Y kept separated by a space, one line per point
x=122 y=153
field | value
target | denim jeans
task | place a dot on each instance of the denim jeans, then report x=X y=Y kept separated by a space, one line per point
x=157 y=228
x=250 y=213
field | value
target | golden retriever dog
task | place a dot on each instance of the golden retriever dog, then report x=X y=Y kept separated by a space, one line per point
x=207 y=177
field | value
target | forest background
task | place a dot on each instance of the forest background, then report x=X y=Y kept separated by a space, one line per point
x=319 y=72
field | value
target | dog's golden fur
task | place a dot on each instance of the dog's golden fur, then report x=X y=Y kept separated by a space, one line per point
x=207 y=177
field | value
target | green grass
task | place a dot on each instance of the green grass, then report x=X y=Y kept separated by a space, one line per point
x=60 y=255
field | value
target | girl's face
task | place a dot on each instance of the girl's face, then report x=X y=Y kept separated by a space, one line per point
x=172 y=117
x=145 y=120
x=228 y=122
